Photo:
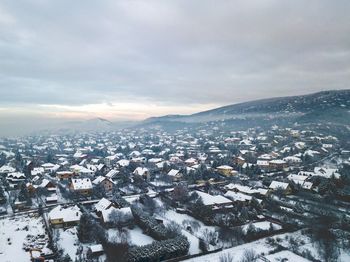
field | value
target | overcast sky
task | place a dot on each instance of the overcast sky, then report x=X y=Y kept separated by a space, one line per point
x=135 y=59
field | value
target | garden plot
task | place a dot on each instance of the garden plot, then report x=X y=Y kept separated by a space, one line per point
x=19 y=234
x=67 y=240
x=263 y=225
x=237 y=252
x=305 y=244
x=198 y=229
x=135 y=236
x=184 y=220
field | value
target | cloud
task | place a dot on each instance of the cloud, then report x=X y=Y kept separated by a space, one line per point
x=172 y=54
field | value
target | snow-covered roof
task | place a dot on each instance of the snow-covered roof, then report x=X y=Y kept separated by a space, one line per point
x=155 y=160
x=298 y=179
x=7 y=169
x=81 y=183
x=68 y=214
x=141 y=171
x=237 y=196
x=16 y=175
x=103 y=204
x=173 y=172
x=112 y=173
x=277 y=184
x=277 y=162
x=292 y=159
x=225 y=167
x=81 y=169
x=96 y=248
x=209 y=200
x=246 y=189
x=37 y=171
x=123 y=162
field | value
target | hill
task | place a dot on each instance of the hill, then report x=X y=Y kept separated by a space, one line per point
x=326 y=106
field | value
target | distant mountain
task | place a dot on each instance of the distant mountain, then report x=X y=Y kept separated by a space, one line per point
x=329 y=106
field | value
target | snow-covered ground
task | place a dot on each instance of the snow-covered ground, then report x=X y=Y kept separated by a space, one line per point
x=285 y=255
x=67 y=240
x=261 y=247
x=136 y=236
x=193 y=238
x=171 y=215
x=13 y=235
x=262 y=225
x=236 y=252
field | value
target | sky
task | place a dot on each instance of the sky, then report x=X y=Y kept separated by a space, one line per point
x=129 y=60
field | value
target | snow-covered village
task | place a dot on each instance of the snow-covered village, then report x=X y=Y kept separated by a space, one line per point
x=202 y=194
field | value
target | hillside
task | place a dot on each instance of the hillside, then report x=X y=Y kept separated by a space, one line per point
x=323 y=106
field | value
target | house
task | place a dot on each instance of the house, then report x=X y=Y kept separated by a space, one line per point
x=112 y=173
x=123 y=163
x=64 y=216
x=143 y=172
x=51 y=199
x=263 y=164
x=103 y=204
x=49 y=167
x=175 y=174
x=15 y=178
x=239 y=161
x=48 y=185
x=247 y=190
x=7 y=169
x=191 y=161
x=238 y=197
x=95 y=250
x=226 y=170
x=275 y=185
x=81 y=186
x=65 y=175
x=213 y=201
x=105 y=182
x=297 y=179
x=277 y=164
x=37 y=171
x=82 y=170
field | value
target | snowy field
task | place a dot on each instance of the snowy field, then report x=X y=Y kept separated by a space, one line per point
x=263 y=225
x=261 y=247
x=67 y=240
x=171 y=215
x=13 y=233
x=136 y=236
x=193 y=238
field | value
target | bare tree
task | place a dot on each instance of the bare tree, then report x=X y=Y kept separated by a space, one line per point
x=249 y=255
x=226 y=257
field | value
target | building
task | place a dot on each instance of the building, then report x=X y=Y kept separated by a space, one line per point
x=276 y=185
x=64 y=216
x=175 y=174
x=104 y=182
x=65 y=175
x=81 y=186
x=226 y=170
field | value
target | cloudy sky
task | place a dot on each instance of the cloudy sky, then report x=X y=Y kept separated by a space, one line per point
x=134 y=59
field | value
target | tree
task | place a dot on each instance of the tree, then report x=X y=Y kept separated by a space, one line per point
x=85 y=228
x=23 y=194
x=2 y=196
x=249 y=255
x=173 y=229
x=226 y=257
x=323 y=235
x=180 y=193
